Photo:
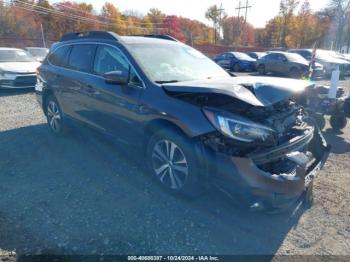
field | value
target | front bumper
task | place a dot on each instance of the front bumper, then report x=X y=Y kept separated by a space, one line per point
x=18 y=81
x=277 y=178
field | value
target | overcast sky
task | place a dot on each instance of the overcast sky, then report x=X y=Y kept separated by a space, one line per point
x=258 y=15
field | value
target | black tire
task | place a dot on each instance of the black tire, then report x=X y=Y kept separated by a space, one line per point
x=321 y=121
x=178 y=173
x=54 y=116
x=261 y=70
x=338 y=121
x=309 y=197
x=346 y=107
x=236 y=68
x=295 y=73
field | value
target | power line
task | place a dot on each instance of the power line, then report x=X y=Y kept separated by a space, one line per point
x=43 y=10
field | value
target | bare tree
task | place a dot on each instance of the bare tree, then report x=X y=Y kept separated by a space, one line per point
x=341 y=8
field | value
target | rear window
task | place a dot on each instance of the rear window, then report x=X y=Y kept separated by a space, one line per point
x=59 y=55
x=81 y=57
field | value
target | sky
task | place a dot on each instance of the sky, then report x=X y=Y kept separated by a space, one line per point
x=260 y=12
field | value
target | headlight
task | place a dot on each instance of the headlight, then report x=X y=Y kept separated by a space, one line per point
x=239 y=128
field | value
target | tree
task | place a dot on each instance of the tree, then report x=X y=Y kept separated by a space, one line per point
x=287 y=8
x=214 y=14
x=110 y=14
x=147 y=24
x=156 y=16
x=341 y=8
x=171 y=26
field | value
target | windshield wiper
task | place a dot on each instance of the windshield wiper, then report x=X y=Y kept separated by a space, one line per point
x=167 y=82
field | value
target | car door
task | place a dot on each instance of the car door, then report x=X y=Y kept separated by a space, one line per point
x=115 y=108
x=281 y=65
x=226 y=60
x=76 y=83
x=270 y=61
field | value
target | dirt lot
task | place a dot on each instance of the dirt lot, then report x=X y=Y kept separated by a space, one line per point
x=82 y=195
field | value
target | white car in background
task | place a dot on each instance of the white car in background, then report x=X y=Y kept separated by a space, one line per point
x=39 y=53
x=17 y=68
x=326 y=58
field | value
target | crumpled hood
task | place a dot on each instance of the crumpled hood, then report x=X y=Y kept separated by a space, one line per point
x=257 y=91
x=19 y=67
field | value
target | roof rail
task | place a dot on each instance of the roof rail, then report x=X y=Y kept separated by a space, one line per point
x=90 y=35
x=160 y=36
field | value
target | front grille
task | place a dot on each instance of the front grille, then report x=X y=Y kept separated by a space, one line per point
x=24 y=81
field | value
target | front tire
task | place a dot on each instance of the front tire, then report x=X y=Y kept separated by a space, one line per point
x=54 y=116
x=338 y=121
x=172 y=161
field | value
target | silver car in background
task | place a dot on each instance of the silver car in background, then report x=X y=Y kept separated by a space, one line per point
x=39 y=53
x=325 y=58
x=17 y=68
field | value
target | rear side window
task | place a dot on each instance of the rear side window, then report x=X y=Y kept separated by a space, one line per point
x=58 y=57
x=81 y=57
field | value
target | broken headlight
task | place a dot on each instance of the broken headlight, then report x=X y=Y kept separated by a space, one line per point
x=239 y=128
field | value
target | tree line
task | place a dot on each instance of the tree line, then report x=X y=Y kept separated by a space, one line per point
x=296 y=25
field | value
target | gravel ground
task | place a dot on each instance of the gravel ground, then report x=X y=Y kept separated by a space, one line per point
x=82 y=195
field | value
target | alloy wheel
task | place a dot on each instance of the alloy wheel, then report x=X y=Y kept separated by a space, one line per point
x=170 y=164
x=54 y=116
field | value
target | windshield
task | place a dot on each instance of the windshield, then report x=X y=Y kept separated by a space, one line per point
x=242 y=56
x=38 y=52
x=15 y=56
x=175 y=63
x=293 y=57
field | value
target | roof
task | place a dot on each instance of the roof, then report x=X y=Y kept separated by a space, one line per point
x=111 y=36
x=9 y=48
x=145 y=40
x=34 y=47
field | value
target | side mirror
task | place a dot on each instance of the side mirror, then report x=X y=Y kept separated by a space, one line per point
x=116 y=77
x=285 y=60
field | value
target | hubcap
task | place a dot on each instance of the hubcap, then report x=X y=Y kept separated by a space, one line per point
x=54 y=116
x=170 y=164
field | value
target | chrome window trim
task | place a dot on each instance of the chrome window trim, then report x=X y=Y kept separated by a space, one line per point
x=96 y=43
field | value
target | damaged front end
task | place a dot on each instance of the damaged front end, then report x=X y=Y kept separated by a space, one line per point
x=274 y=171
x=267 y=155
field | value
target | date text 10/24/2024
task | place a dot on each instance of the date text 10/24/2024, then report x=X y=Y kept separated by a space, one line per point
x=173 y=258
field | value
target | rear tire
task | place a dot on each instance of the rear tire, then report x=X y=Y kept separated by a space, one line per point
x=172 y=161
x=54 y=116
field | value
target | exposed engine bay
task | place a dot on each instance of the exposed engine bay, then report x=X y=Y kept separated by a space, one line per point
x=287 y=118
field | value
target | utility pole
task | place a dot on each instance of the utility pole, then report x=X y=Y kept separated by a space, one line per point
x=239 y=15
x=42 y=35
x=220 y=19
x=246 y=7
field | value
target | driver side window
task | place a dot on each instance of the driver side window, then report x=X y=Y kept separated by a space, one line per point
x=109 y=59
